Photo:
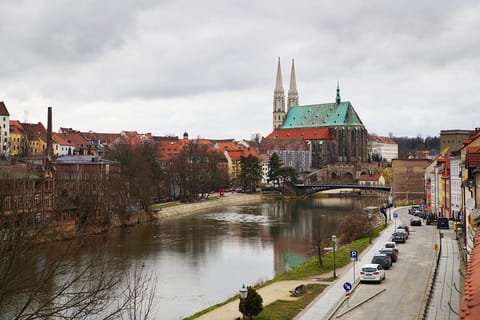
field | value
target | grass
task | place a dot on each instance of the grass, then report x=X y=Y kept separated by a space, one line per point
x=286 y=310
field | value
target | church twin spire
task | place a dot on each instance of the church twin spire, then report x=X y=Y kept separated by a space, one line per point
x=292 y=92
x=279 y=111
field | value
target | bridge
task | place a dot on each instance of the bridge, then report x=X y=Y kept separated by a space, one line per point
x=313 y=188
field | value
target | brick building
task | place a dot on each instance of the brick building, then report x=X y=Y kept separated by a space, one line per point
x=408 y=180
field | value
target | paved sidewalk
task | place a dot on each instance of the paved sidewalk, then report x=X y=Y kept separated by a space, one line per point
x=445 y=302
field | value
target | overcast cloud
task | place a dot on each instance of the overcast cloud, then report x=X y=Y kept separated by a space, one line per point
x=208 y=67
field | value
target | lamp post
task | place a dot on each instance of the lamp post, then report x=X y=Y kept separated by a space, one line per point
x=243 y=297
x=334 y=241
x=370 y=227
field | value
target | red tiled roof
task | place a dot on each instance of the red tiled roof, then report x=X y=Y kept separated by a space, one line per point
x=105 y=138
x=473 y=157
x=230 y=145
x=61 y=139
x=302 y=133
x=3 y=109
x=470 y=307
x=473 y=135
x=167 y=149
x=36 y=131
x=236 y=155
x=381 y=139
x=133 y=137
x=15 y=126
x=73 y=138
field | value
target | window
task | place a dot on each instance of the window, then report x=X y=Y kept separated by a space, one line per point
x=48 y=200
x=7 y=203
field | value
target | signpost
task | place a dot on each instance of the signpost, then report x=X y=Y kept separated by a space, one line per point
x=354 y=258
x=395 y=216
x=347 y=286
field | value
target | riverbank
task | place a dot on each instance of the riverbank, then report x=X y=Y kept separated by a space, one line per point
x=189 y=208
x=276 y=292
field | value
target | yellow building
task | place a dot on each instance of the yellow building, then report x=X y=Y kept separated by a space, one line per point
x=16 y=137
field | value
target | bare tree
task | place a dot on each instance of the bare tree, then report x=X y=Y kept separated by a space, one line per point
x=46 y=284
x=197 y=171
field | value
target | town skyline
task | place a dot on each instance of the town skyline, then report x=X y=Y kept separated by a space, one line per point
x=210 y=69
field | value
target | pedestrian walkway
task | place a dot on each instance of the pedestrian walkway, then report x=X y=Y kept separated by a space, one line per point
x=445 y=301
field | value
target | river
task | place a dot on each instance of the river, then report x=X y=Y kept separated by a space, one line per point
x=201 y=259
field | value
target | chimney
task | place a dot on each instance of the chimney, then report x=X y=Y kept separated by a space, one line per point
x=49 y=136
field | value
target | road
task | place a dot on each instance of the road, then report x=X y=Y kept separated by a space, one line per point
x=401 y=295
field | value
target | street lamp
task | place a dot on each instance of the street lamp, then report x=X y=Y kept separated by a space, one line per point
x=334 y=241
x=243 y=298
x=370 y=227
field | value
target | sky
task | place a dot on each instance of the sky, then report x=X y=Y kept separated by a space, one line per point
x=208 y=67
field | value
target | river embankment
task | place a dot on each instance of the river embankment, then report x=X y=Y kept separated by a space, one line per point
x=190 y=208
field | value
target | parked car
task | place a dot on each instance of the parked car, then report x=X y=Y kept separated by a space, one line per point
x=398 y=237
x=382 y=259
x=402 y=231
x=391 y=245
x=404 y=227
x=415 y=221
x=443 y=223
x=372 y=272
x=390 y=252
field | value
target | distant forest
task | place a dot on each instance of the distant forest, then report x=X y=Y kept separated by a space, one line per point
x=407 y=145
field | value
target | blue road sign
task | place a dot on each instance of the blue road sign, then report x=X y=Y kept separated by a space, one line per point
x=395 y=215
x=460 y=215
x=347 y=286
x=353 y=254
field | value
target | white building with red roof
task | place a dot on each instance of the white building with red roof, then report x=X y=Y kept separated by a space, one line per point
x=371 y=180
x=384 y=147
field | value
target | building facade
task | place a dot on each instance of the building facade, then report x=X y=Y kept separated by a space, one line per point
x=408 y=180
x=455 y=186
x=383 y=147
x=452 y=140
x=4 y=129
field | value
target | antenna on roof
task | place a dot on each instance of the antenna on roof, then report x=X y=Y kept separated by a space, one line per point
x=25 y=116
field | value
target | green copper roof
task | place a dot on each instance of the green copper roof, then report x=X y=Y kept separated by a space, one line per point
x=321 y=115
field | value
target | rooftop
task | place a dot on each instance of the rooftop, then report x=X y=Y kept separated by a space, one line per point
x=322 y=115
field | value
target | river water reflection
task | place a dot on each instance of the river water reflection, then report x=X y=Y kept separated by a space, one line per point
x=202 y=259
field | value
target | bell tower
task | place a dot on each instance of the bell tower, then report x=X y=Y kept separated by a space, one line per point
x=292 y=91
x=279 y=111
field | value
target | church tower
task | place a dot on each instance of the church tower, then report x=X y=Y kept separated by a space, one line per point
x=279 y=111
x=292 y=91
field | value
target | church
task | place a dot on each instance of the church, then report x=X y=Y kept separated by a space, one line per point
x=312 y=137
